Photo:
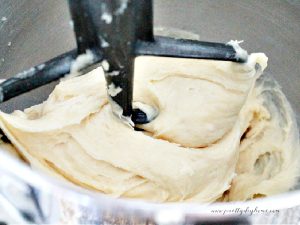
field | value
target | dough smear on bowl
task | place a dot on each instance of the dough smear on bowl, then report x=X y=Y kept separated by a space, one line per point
x=221 y=127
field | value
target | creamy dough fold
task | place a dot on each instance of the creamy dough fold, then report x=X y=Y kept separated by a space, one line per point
x=221 y=127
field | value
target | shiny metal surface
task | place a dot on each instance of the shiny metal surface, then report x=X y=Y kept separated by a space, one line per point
x=33 y=31
x=55 y=202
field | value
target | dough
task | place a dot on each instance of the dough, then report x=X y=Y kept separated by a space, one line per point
x=222 y=132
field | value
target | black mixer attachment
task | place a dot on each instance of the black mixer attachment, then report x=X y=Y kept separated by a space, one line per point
x=115 y=32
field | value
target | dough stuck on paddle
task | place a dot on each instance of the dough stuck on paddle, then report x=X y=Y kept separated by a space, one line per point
x=218 y=127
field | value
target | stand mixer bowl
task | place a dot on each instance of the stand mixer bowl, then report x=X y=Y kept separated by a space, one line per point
x=33 y=31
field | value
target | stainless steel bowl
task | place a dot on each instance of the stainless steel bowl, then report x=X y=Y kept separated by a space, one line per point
x=33 y=31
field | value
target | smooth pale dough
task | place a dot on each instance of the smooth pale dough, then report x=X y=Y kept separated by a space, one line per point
x=223 y=132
